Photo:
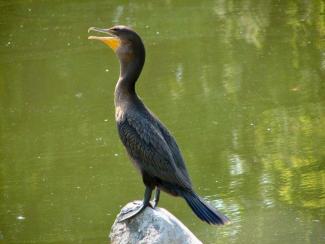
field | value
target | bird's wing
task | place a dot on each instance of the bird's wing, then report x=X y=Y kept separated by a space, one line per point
x=147 y=146
x=174 y=149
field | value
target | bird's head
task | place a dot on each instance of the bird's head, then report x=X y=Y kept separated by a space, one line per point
x=125 y=42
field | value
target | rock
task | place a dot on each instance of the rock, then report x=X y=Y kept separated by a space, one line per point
x=151 y=226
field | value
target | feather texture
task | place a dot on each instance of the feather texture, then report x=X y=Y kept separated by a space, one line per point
x=154 y=150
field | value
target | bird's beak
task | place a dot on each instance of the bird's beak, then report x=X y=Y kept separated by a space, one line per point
x=112 y=40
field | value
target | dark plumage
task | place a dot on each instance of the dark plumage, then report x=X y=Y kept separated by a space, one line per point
x=148 y=142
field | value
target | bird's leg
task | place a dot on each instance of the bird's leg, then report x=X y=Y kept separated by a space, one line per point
x=156 y=198
x=140 y=208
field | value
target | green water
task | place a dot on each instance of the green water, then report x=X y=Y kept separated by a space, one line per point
x=240 y=84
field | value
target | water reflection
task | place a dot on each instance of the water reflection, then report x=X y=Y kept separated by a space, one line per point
x=266 y=190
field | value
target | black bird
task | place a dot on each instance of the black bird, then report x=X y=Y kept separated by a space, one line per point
x=148 y=142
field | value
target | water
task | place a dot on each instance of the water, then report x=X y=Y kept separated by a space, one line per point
x=239 y=83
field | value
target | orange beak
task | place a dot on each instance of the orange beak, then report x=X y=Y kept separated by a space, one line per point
x=112 y=41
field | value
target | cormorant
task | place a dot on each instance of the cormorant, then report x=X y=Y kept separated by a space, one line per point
x=148 y=142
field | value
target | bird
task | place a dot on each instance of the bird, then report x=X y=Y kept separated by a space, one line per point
x=148 y=142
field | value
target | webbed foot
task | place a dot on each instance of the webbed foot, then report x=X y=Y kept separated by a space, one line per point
x=134 y=211
x=139 y=207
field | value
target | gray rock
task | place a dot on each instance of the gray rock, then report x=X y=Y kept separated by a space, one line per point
x=151 y=226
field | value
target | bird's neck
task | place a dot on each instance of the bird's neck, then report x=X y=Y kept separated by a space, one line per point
x=129 y=74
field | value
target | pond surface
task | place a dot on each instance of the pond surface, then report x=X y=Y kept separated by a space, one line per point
x=240 y=84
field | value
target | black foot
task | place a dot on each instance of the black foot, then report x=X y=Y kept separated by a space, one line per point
x=139 y=208
x=133 y=212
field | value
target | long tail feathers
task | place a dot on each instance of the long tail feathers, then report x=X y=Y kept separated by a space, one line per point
x=203 y=210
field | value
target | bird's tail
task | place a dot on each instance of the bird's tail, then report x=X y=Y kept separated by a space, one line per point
x=203 y=210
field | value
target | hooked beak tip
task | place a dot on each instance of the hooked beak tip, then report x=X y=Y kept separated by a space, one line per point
x=91 y=29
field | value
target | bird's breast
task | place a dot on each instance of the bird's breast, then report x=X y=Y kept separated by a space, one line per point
x=119 y=114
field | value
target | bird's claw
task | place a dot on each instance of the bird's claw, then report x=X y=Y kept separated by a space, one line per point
x=133 y=212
